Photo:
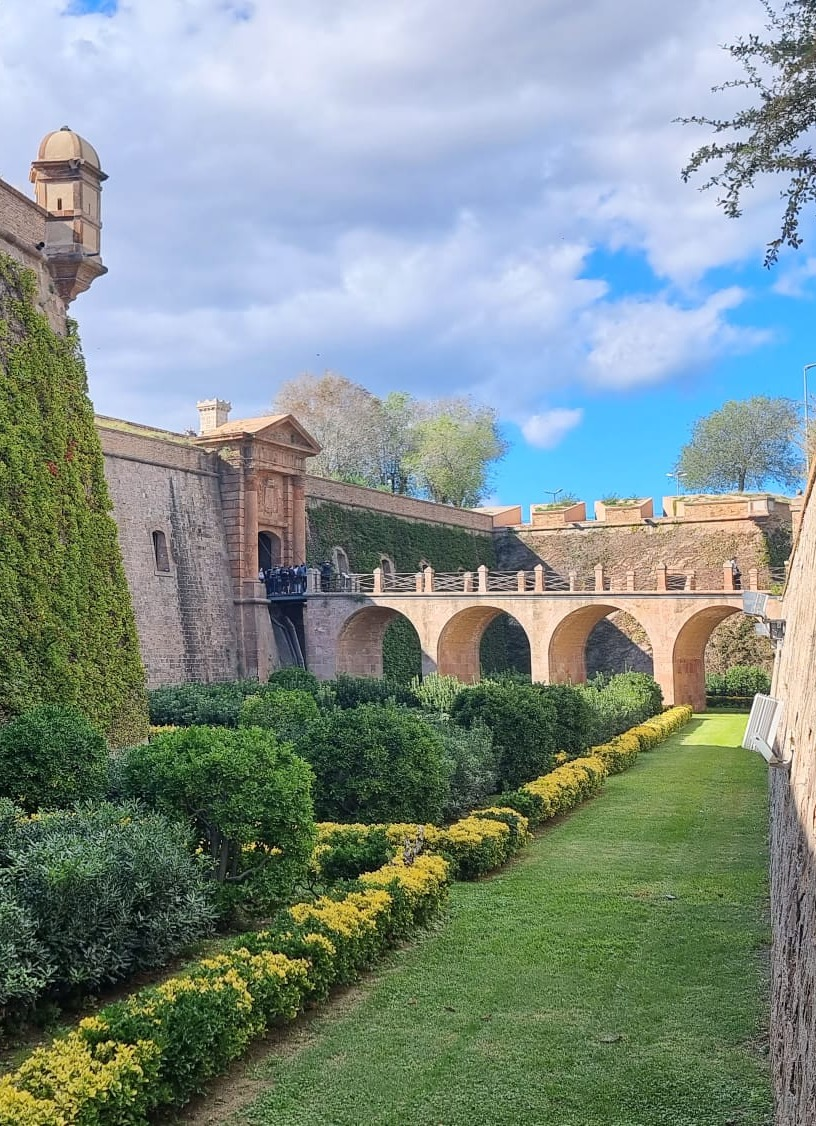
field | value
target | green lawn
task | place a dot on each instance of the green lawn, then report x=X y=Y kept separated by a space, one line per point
x=613 y=976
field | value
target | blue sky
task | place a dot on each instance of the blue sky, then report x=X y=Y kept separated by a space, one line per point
x=463 y=199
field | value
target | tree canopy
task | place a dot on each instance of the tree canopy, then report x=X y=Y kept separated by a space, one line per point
x=743 y=445
x=442 y=449
x=774 y=133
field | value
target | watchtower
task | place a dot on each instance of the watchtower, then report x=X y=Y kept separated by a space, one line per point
x=67 y=178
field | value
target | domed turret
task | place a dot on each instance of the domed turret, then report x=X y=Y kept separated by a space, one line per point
x=67 y=177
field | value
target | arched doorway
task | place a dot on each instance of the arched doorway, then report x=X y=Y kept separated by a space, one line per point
x=568 y=644
x=363 y=641
x=688 y=657
x=269 y=550
x=459 y=650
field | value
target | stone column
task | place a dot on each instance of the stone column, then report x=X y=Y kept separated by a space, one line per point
x=483 y=579
x=599 y=576
x=630 y=580
x=521 y=580
x=378 y=586
x=251 y=527
x=467 y=582
x=573 y=580
x=660 y=580
x=728 y=576
x=429 y=580
x=418 y=582
x=298 y=521
x=538 y=578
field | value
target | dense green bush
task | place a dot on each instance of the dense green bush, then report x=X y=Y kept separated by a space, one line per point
x=248 y=798
x=344 y=852
x=740 y=681
x=97 y=893
x=573 y=717
x=521 y=719
x=619 y=702
x=294 y=677
x=67 y=631
x=51 y=757
x=288 y=712
x=377 y=762
x=473 y=764
x=190 y=705
x=351 y=691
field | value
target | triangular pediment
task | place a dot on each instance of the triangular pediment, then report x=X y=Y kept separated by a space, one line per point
x=279 y=429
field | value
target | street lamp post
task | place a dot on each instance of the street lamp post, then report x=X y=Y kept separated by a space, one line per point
x=554 y=492
x=678 y=475
x=805 y=370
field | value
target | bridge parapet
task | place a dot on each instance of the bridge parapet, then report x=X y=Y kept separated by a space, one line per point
x=539 y=580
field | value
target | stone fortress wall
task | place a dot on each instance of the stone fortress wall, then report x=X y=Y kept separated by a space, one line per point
x=793 y=842
x=22 y=230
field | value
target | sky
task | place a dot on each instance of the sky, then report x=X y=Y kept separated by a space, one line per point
x=477 y=198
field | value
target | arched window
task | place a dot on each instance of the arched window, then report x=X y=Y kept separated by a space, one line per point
x=160 y=552
x=387 y=567
x=340 y=561
x=423 y=563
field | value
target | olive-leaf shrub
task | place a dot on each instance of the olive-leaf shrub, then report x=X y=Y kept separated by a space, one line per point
x=97 y=893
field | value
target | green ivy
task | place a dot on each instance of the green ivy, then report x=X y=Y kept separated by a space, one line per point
x=67 y=631
x=366 y=536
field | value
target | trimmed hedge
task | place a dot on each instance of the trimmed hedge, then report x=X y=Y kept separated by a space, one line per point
x=159 y=1047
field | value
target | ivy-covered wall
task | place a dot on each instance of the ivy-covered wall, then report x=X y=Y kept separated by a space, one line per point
x=67 y=631
x=366 y=536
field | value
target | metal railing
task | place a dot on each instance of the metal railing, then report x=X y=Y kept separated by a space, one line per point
x=542 y=580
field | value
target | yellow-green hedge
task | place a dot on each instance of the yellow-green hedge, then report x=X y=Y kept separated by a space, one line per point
x=159 y=1046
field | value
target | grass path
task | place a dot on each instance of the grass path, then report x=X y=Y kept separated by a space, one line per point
x=612 y=976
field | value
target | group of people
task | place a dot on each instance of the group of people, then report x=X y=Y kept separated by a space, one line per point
x=283 y=580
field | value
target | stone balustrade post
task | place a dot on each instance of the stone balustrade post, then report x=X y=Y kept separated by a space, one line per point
x=482 y=579
x=429 y=580
x=418 y=582
x=599 y=576
x=538 y=578
x=691 y=580
x=753 y=578
x=573 y=580
x=728 y=575
x=378 y=583
x=312 y=580
x=467 y=582
x=521 y=581
x=630 y=580
x=660 y=577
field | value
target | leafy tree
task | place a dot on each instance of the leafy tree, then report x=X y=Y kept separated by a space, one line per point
x=247 y=796
x=343 y=417
x=743 y=445
x=773 y=134
x=454 y=448
x=396 y=441
x=67 y=631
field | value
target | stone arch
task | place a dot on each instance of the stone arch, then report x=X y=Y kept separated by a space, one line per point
x=360 y=641
x=688 y=655
x=567 y=650
x=460 y=639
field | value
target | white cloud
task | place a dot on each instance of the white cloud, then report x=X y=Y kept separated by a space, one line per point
x=795 y=282
x=643 y=341
x=548 y=429
x=408 y=192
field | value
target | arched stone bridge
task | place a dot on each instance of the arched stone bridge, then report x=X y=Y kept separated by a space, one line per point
x=345 y=629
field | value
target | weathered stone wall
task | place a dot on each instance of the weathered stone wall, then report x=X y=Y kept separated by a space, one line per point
x=22 y=227
x=409 y=508
x=185 y=617
x=793 y=845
